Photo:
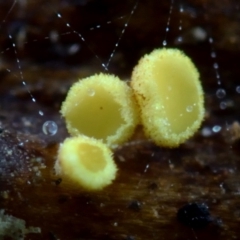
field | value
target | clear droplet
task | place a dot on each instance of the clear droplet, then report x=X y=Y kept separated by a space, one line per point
x=199 y=33
x=215 y=66
x=221 y=93
x=180 y=39
x=223 y=105
x=189 y=108
x=21 y=144
x=50 y=128
x=238 y=89
x=216 y=128
x=41 y=113
x=206 y=132
x=213 y=54
x=91 y=92
x=164 y=43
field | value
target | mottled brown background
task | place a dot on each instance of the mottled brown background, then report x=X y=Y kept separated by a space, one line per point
x=157 y=180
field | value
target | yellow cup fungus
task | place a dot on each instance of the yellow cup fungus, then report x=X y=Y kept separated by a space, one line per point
x=167 y=88
x=87 y=162
x=101 y=106
x=101 y=111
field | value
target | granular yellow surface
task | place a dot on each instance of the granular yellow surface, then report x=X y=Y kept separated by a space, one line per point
x=168 y=90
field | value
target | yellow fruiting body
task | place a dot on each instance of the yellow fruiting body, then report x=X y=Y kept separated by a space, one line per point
x=86 y=162
x=168 y=90
x=101 y=106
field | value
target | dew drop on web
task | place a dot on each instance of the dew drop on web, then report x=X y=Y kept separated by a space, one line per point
x=50 y=128
x=41 y=113
x=223 y=105
x=216 y=128
x=238 y=89
x=220 y=93
x=167 y=28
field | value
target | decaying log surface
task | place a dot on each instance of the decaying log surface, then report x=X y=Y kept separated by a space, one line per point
x=153 y=183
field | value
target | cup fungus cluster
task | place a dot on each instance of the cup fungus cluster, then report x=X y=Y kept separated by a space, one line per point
x=165 y=96
x=100 y=111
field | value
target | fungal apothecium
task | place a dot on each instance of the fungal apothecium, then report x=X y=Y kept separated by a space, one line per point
x=166 y=97
x=101 y=106
x=86 y=162
x=168 y=90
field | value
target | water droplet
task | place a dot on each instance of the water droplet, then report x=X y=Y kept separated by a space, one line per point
x=50 y=128
x=199 y=33
x=216 y=128
x=221 y=93
x=41 y=113
x=215 y=66
x=164 y=43
x=146 y=168
x=206 y=132
x=238 y=89
x=189 y=108
x=21 y=144
x=223 y=105
x=73 y=49
x=179 y=39
x=91 y=92
x=213 y=54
